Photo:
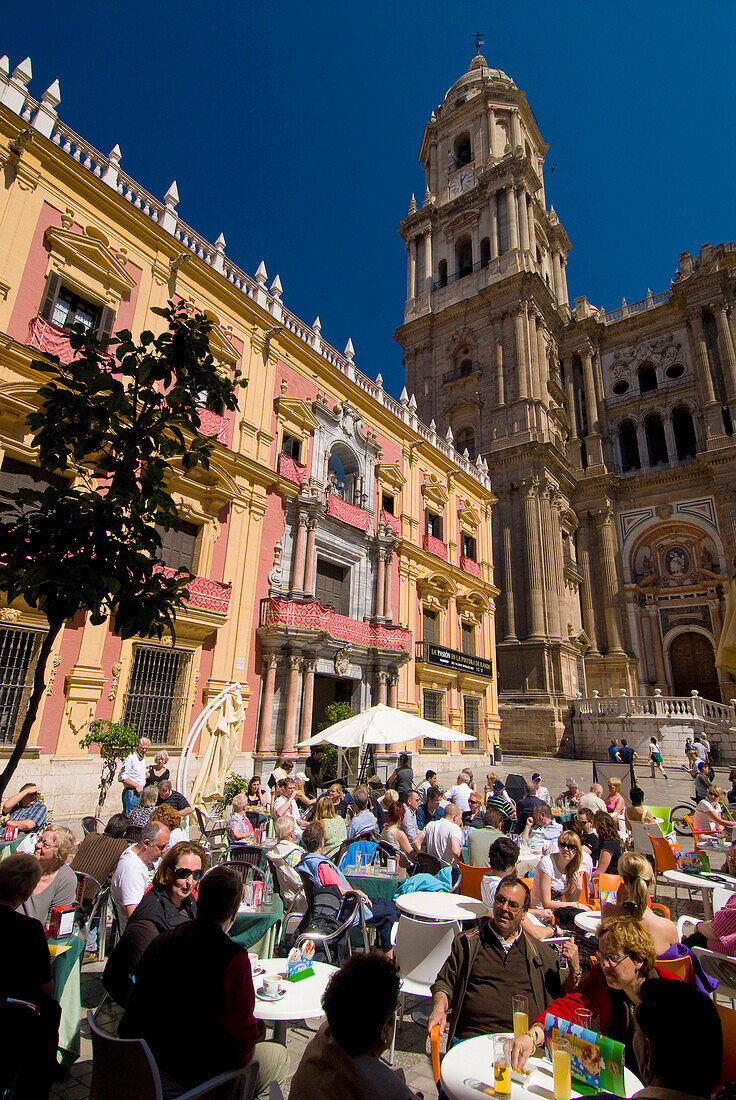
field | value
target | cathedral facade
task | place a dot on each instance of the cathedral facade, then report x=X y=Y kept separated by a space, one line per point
x=609 y=435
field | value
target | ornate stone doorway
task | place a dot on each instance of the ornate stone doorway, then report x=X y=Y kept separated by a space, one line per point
x=693 y=666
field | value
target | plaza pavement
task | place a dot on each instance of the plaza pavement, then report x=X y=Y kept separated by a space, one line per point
x=412 y=1045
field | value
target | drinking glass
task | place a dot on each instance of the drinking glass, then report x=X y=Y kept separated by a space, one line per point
x=248 y=893
x=501 y=1065
x=562 y=1082
x=585 y=1018
x=520 y=1008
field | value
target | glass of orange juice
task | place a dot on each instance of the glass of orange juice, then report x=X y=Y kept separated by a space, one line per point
x=501 y=1065
x=520 y=1008
x=562 y=1083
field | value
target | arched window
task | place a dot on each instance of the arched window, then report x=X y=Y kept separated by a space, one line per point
x=647 y=378
x=343 y=475
x=630 y=459
x=656 y=440
x=485 y=252
x=442 y=273
x=465 y=441
x=462 y=149
x=684 y=432
x=464 y=256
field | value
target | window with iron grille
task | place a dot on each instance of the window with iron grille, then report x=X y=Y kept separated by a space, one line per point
x=18 y=653
x=433 y=706
x=155 y=702
x=471 y=717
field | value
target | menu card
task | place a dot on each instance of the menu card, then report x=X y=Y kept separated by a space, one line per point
x=596 y=1060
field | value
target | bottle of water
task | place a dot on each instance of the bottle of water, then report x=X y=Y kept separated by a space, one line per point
x=268 y=892
x=358 y=862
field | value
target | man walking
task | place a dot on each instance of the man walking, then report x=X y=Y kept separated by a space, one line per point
x=133 y=775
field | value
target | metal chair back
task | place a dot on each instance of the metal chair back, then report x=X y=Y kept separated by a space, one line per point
x=249 y=854
x=20 y=1025
x=327 y=906
x=92 y=825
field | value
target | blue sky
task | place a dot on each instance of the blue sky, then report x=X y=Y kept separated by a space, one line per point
x=294 y=129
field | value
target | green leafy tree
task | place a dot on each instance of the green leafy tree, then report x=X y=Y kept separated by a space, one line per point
x=121 y=424
x=116 y=740
x=332 y=714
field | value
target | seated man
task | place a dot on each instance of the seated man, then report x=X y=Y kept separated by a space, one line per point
x=489 y=965
x=364 y=820
x=284 y=857
x=98 y=856
x=286 y=805
x=432 y=810
x=460 y=793
x=430 y=780
x=541 y=830
x=525 y=806
x=443 y=839
x=668 y=1068
x=502 y=857
x=167 y=794
x=410 y=824
x=132 y=876
x=475 y=817
x=502 y=800
x=378 y=911
x=201 y=965
x=480 y=840
x=344 y=1058
x=25 y=810
x=593 y=800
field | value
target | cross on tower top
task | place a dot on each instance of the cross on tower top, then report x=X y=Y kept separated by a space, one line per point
x=478 y=37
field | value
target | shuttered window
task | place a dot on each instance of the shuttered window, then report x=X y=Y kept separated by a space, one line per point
x=155 y=701
x=429 y=626
x=64 y=308
x=178 y=545
x=333 y=586
x=468 y=639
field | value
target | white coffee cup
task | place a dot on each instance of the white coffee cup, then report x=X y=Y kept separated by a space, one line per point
x=254 y=961
x=272 y=985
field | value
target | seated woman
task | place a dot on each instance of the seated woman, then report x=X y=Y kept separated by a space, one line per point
x=632 y=900
x=257 y=798
x=238 y=827
x=392 y=833
x=58 y=883
x=300 y=793
x=169 y=902
x=610 y=990
x=609 y=840
x=558 y=880
x=719 y=934
x=334 y=825
x=707 y=817
x=138 y=817
x=636 y=812
x=168 y=816
x=615 y=804
x=284 y=857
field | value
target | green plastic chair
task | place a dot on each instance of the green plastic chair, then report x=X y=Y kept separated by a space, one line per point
x=664 y=812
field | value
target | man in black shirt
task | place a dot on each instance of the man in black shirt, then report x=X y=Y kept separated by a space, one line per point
x=175 y=799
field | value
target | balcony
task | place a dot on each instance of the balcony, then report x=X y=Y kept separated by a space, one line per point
x=470 y=565
x=309 y=615
x=391 y=521
x=290 y=469
x=432 y=654
x=435 y=546
x=50 y=339
x=212 y=425
x=205 y=594
x=461 y=372
x=348 y=513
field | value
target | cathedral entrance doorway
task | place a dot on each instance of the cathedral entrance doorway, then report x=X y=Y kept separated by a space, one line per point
x=693 y=666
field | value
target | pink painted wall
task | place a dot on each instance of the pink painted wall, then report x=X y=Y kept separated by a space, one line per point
x=300 y=388
x=220 y=548
x=53 y=711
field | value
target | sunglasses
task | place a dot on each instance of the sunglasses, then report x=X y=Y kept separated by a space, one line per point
x=567 y=847
x=185 y=872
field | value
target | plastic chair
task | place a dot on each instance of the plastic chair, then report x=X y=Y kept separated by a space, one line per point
x=20 y=1023
x=728 y=1028
x=249 y=854
x=471 y=879
x=664 y=812
x=420 y=950
x=696 y=832
x=213 y=831
x=719 y=966
x=720 y=897
x=681 y=968
x=428 y=864
x=657 y=907
x=664 y=860
x=434 y=1050
x=125 y=1067
x=640 y=836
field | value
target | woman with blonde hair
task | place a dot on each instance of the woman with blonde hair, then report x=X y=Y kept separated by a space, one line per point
x=58 y=883
x=615 y=804
x=632 y=900
x=558 y=880
x=158 y=771
x=335 y=828
x=238 y=826
x=707 y=817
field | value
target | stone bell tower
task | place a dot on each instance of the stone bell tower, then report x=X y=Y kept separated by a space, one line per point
x=486 y=309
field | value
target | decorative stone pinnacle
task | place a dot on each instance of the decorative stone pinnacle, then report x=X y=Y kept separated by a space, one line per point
x=427 y=197
x=317 y=324
x=276 y=288
x=432 y=426
x=349 y=352
x=23 y=72
x=4 y=65
x=52 y=96
x=379 y=380
x=412 y=203
x=404 y=399
x=450 y=437
x=220 y=243
x=171 y=198
x=115 y=155
x=412 y=404
x=261 y=274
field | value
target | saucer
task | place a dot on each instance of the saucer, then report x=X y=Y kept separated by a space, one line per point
x=256 y=970
x=263 y=996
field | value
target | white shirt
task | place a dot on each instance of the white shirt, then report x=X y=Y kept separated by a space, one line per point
x=592 y=802
x=544 y=834
x=543 y=793
x=488 y=887
x=700 y=821
x=438 y=836
x=177 y=835
x=128 y=883
x=134 y=768
x=293 y=811
x=557 y=884
x=459 y=795
x=422 y=791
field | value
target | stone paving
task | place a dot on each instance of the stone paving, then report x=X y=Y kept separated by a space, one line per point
x=412 y=1046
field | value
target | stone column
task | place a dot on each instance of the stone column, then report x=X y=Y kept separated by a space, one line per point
x=520 y=351
x=383 y=687
x=428 y=274
x=292 y=703
x=556 y=274
x=551 y=596
x=729 y=357
x=604 y=523
x=388 y=589
x=491 y=132
x=411 y=268
x=703 y=376
x=563 y=280
x=309 y=665
x=533 y=557
x=393 y=688
x=591 y=405
x=493 y=216
x=523 y=219
x=515 y=130
x=532 y=231
x=542 y=358
x=508 y=574
x=309 y=563
x=512 y=217
x=269 y=687
x=556 y=504
x=571 y=409
x=586 y=591
x=297 y=566
x=641 y=439
x=669 y=435
x=498 y=340
x=380 y=584
x=654 y=630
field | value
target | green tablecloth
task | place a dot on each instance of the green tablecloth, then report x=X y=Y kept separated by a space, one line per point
x=67 y=975
x=377 y=886
x=7 y=847
x=250 y=927
x=564 y=815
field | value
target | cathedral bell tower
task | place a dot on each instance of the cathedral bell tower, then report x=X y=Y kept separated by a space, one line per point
x=486 y=308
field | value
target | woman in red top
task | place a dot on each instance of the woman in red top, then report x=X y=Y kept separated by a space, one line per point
x=610 y=991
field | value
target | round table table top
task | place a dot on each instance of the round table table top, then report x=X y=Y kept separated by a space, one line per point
x=473 y=1059
x=587 y=922
x=303 y=1000
x=431 y=906
x=695 y=882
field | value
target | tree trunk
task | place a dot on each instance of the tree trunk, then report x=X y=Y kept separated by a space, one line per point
x=39 y=686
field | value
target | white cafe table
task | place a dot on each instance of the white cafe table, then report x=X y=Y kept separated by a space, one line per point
x=302 y=1000
x=473 y=1059
x=698 y=882
x=587 y=921
x=436 y=906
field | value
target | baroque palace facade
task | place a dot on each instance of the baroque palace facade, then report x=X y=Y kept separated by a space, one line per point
x=341 y=548
x=609 y=435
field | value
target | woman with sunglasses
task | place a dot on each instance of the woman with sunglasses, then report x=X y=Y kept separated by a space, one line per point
x=558 y=880
x=169 y=902
x=610 y=991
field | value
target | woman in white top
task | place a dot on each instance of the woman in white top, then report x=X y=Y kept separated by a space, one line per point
x=539 y=790
x=655 y=757
x=558 y=879
x=707 y=816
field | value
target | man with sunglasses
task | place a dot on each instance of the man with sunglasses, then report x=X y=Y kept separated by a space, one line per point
x=491 y=964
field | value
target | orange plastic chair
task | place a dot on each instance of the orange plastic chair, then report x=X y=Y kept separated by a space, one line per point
x=471 y=878
x=728 y=1027
x=681 y=968
x=434 y=1050
x=657 y=907
x=696 y=832
x=608 y=884
x=664 y=859
x=528 y=881
x=585 y=895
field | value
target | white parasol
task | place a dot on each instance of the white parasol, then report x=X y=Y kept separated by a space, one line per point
x=382 y=725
